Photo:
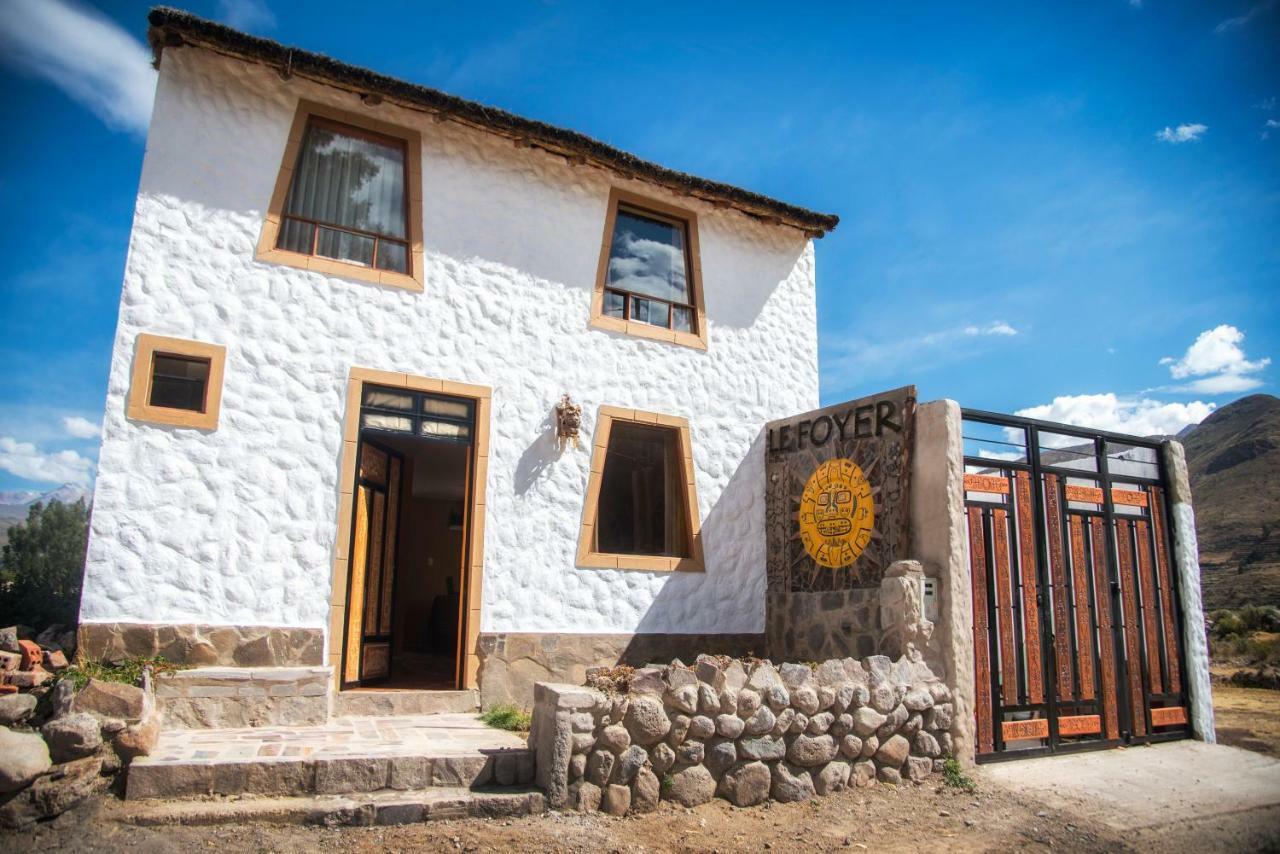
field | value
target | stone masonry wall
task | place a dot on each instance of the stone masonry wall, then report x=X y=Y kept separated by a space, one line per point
x=745 y=734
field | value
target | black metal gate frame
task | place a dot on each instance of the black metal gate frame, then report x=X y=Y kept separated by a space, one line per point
x=1048 y=652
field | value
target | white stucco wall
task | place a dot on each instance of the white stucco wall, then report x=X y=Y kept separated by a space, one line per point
x=236 y=526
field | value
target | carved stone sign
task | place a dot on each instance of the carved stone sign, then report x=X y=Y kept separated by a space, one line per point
x=836 y=515
x=837 y=487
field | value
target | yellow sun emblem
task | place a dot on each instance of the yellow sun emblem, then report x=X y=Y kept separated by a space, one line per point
x=837 y=513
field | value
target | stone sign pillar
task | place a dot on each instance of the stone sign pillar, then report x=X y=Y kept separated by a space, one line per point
x=837 y=498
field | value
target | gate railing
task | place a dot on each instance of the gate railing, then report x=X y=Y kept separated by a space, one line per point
x=1077 y=627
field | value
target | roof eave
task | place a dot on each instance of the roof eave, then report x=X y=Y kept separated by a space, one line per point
x=174 y=28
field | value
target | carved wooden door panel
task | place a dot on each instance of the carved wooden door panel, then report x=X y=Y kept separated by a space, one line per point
x=371 y=585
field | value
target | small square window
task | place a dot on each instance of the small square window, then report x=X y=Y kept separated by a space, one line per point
x=176 y=382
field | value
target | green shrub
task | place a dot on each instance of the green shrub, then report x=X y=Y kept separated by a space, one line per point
x=42 y=566
x=1227 y=624
x=128 y=671
x=956 y=778
x=508 y=718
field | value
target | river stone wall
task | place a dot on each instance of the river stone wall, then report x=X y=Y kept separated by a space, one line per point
x=743 y=733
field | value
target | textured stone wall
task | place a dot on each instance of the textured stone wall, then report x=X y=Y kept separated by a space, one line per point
x=718 y=729
x=1186 y=558
x=939 y=542
x=511 y=664
x=236 y=526
x=243 y=697
x=227 y=646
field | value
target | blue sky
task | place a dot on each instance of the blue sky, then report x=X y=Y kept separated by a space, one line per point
x=1068 y=209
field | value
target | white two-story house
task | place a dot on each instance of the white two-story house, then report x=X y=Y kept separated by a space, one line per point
x=350 y=307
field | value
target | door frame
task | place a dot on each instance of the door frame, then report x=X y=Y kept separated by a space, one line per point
x=472 y=576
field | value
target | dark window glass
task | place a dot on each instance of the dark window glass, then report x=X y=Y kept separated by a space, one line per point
x=642 y=493
x=348 y=192
x=648 y=261
x=178 y=382
x=615 y=304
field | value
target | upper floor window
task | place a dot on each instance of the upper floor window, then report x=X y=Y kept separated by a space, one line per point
x=348 y=200
x=648 y=284
x=648 y=276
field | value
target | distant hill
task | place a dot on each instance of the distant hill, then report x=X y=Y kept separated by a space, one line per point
x=14 y=505
x=1233 y=457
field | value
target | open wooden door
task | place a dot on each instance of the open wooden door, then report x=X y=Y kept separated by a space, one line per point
x=367 y=647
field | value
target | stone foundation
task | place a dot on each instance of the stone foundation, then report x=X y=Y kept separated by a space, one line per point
x=203 y=646
x=688 y=734
x=510 y=664
x=815 y=626
x=209 y=697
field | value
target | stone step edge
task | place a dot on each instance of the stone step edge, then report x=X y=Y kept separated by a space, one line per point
x=383 y=807
x=305 y=776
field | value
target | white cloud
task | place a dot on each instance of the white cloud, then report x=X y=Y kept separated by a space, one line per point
x=1109 y=411
x=998 y=327
x=81 y=428
x=852 y=355
x=1268 y=127
x=1182 y=133
x=246 y=14
x=86 y=55
x=1242 y=20
x=26 y=461
x=1217 y=362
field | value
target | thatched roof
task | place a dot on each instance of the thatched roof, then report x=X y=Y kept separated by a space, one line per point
x=174 y=27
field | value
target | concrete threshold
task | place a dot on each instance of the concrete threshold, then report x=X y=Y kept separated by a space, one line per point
x=384 y=807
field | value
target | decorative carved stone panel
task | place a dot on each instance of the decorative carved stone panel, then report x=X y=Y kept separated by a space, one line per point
x=837 y=492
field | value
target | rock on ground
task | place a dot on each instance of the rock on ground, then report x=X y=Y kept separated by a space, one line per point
x=23 y=757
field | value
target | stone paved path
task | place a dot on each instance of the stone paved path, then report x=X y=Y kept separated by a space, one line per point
x=435 y=735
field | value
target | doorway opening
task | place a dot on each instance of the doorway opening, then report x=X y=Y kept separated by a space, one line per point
x=406 y=591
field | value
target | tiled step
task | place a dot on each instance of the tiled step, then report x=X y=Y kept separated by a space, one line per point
x=343 y=756
x=367 y=703
x=383 y=807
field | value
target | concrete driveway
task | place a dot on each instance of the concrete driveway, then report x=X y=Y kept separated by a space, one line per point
x=1179 y=796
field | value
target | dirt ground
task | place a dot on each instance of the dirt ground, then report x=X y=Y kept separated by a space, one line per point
x=1247 y=717
x=884 y=818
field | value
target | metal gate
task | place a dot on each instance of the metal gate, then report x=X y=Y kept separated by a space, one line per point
x=1076 y=622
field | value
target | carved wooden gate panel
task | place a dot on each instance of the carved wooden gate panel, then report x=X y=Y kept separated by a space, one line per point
x=1077 y=634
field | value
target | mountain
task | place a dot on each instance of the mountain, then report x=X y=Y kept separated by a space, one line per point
x=1233 y=458
x=14 y=505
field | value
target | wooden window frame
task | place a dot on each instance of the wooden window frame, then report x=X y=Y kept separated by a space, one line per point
x=268 y=252
x=482 y=396
x=587 y=556
x=146 y=348
x=646 y=206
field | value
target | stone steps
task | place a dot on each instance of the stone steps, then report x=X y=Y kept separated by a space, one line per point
x=382 y=807
x=369 y=703
x=328 y=775
x=342 y=756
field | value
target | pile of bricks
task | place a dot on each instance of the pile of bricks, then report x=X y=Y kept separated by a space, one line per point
x=24 y=665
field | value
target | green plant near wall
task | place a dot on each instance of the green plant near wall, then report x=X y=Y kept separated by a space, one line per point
x=955 y=778
x=128 y=672
x=507 y=717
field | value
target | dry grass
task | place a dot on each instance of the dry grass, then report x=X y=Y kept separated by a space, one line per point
x=1248 y=717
